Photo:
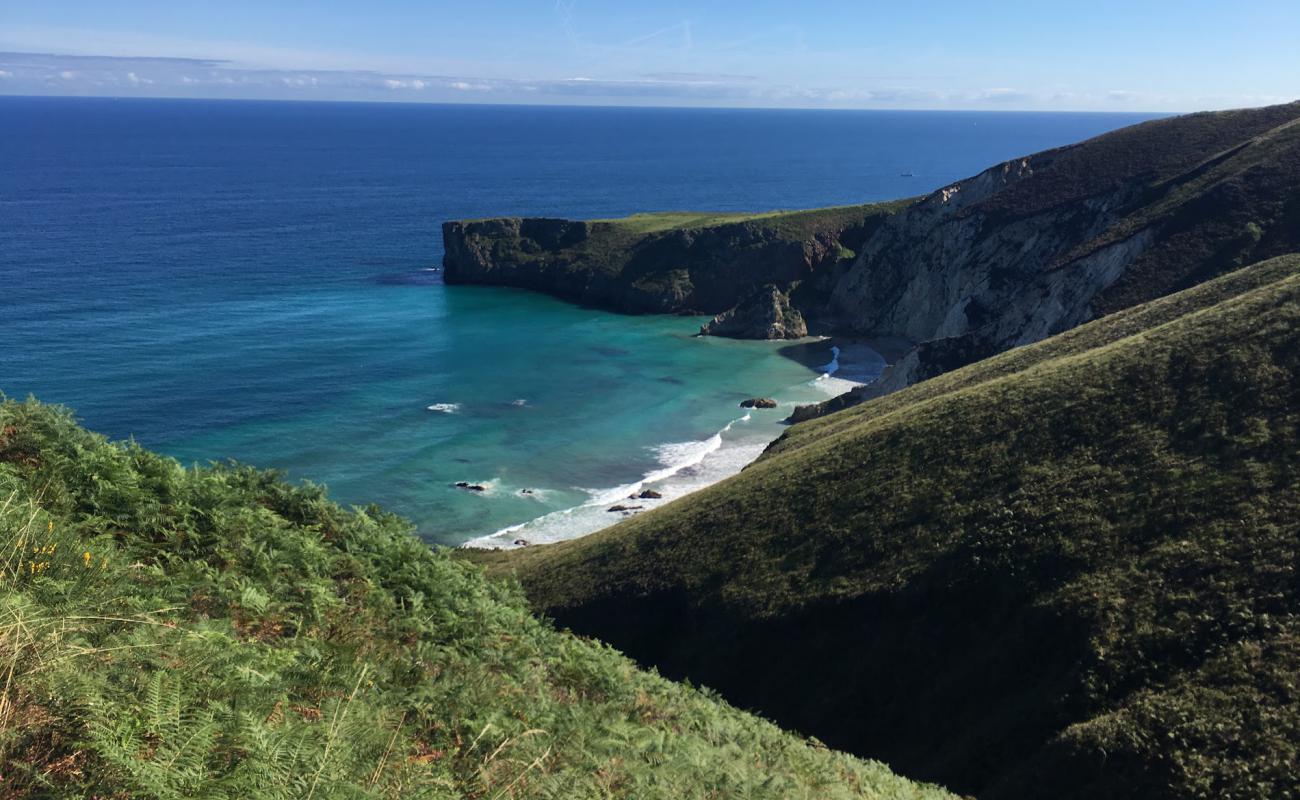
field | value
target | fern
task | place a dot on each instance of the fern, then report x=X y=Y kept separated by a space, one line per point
x=239 y=637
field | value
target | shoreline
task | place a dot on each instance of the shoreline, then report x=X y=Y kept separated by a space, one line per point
x=686 y=467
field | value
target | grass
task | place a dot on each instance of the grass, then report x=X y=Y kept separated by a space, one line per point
x=1068 y=571
x=793 y=223
x=215 y=632
x=1150 y=153
x=675 y=220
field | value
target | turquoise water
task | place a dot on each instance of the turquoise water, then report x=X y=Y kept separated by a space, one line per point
x=258 y=281
x=569 y=403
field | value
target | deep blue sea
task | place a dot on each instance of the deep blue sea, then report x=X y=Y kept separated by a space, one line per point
x=258 y=281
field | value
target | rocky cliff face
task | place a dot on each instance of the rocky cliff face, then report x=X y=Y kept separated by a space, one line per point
x=1036 y=246
x=1017 y=253
x=994 y=262
x=618 y=266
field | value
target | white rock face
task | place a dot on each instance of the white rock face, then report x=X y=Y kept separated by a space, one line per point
x=943 y=269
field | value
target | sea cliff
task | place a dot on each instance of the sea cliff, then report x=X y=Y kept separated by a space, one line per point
x=1026 y=249
x=666 y=263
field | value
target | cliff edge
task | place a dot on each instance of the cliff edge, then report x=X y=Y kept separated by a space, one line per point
x=664 y=263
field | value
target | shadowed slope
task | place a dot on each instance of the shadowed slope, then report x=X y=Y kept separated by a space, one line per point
x=1068 y=573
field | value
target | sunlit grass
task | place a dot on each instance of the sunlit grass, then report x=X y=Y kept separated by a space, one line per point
x=215 y=632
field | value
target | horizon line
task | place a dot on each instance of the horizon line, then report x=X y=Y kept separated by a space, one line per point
x=619 y=106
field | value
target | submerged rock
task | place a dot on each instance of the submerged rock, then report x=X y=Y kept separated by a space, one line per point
x=624 y=508
x=765 y=314
x=647 y=494
x=758 y=402
x=471 y=487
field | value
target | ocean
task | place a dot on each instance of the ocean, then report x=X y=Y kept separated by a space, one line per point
x=259 y=281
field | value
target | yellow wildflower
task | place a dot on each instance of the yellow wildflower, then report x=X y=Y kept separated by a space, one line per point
x=85 y=557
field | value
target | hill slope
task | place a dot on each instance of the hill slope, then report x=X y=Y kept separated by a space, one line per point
x=215 y=632
x=1067 y=571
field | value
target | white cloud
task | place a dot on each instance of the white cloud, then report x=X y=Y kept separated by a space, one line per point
x=28 y=72
x=1001 y=94
x=406 y=83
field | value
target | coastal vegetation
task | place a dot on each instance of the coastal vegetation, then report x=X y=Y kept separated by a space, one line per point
x=216 y=632
x=800 y=223
x=1066 y=571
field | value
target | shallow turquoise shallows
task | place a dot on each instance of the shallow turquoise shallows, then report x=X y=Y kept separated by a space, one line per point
x=259 y=281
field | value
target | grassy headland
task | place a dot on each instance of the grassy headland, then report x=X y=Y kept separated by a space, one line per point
x=665 y=262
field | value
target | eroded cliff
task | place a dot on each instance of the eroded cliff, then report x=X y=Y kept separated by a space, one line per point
x=1026 y=249
x=661 y=263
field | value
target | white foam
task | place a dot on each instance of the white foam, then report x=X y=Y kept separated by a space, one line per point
x=833 y=386
x=677 y=456
x=834 y=365
x=685 y=467
x=682 y=460
x=521 y=402
x=571 y=523
x=827 y=382
x=444 y=408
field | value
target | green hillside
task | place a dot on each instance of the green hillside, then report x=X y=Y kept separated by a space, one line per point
x=802 y=224
x=1067 y=571
x=169 y=632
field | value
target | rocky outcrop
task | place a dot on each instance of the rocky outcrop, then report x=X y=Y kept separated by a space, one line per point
x=765 y=314
x=758 y=402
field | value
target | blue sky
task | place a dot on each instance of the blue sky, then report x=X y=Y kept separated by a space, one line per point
x=1100 y=55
